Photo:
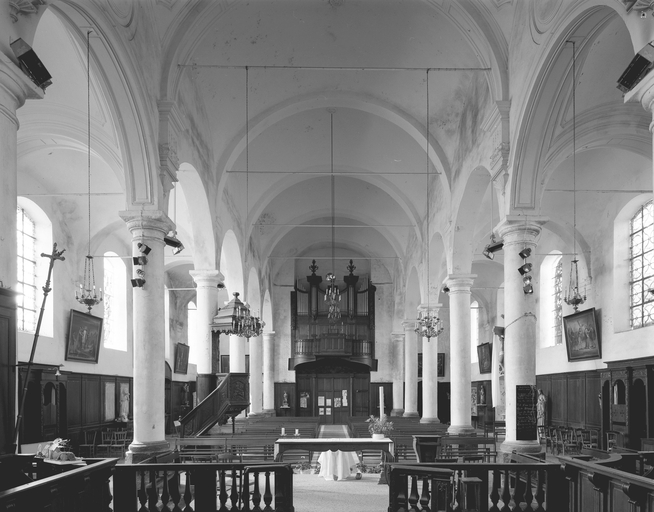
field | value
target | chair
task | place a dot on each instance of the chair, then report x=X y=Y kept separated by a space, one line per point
x=106 y=443
x=613 y=438
x=118 y=443
x=87 y=448
x=565 y=441
x=589 y=438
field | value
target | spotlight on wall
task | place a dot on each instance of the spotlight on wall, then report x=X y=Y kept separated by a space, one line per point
x=525 y=253
x=221 y=286
x=140 y=260
x=171 y=240
x=143 y=249
x=643 y=15
x=31 y=64
x=498 y=331
x=493 y=247
x=527 y=288
x=639 y=66
x=445 y=289
x=139 y=281
x=525 y=269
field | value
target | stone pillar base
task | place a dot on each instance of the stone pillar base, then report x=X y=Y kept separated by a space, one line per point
x=460 y=430
x=429 y=420
x=520 y=446
x=268 y=412
x=408 y=414
x=138 y=452
x=397 y=412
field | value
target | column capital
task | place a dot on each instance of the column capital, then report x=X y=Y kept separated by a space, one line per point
x=207 y=278
x=518 y=229
x=15 y=88
x=458 y=283
x=643 y=92
x=409 y=325
x=149 y=222
x=398 y=336
x=434 y=308
x=269 y=334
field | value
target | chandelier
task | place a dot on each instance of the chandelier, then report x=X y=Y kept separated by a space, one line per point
x=428 y=325
x=88 y=295
x=252 y=326
x=573 y=297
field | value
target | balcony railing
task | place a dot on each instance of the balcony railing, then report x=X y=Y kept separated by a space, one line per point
x=333 y=345
x=202 y=486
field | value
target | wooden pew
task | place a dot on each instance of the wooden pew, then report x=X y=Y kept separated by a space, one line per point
x=481 y=449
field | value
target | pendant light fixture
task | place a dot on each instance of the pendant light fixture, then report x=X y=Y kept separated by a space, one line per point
x=88 y=295
x=573 y=297
x=252 y=325
x=428 y=325
x=332 y=293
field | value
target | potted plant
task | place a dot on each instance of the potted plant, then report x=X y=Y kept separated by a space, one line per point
x=303 y=467
x=379 y=427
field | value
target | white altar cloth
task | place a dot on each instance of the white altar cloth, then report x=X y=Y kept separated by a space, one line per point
x=337 y=465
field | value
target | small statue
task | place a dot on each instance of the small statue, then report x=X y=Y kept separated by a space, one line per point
x=285 y=400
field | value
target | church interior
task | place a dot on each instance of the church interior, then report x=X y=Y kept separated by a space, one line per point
x=426 y=209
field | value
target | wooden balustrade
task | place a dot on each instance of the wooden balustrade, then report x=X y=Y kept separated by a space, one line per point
x=154 y=487
x=484 y=487
x=78 y=490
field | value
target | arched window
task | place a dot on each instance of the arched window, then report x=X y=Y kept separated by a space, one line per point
x=192 y=311
x=474 y=331
x=26 y=235
x=641 y=268
x=115 y=303
x=551 y=306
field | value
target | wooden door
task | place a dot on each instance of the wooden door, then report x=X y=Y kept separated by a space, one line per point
x=333 y=399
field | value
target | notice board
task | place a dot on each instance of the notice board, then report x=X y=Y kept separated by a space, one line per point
x=526 y=413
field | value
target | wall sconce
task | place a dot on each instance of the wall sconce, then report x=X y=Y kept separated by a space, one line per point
x=139 y=281
x=171 y=240
x=143 y=249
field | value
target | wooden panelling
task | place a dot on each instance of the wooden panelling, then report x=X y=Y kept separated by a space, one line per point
x=593 y=390
x=91 y=400
x=576 y=397
x=74 y=401
x=559 y=399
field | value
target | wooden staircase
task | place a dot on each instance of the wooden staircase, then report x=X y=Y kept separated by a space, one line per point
x=230 y=397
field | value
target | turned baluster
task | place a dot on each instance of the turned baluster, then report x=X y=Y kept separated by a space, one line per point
x=175 y=494
x=529 y=496
x=424 y=495
x=233 y=496
x=413 y=495
x=153 y=495
x=495 y=495
x=506 y=493
x=165 y=496
x=188 y=497
x=245 y=490
x=256 y=494
x=222 y=496
x=267 y=495
x=540 y=492
x=142 y=494
x=401 y=497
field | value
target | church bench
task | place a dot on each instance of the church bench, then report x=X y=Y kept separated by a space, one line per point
x=202 y=449
x=482 y=449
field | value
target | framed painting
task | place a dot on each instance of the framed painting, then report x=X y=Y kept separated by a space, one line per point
x=440 y=365
x=181 y=358
x=484 y=354
x=84 y=333
x=582 y=339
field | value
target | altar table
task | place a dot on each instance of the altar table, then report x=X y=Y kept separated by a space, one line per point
x=345 y=444
x=337 y=465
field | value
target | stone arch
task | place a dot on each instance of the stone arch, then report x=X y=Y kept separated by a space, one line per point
x=231 y=264
x=118 y=78
x=200 y=225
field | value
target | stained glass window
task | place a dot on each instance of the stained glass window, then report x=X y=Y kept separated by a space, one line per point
x=26 y=271
x=641 y=272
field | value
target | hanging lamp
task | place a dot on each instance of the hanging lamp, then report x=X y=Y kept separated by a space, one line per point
x=332 y=293
x=428 y=325
x=87 y=294
x=573 y=297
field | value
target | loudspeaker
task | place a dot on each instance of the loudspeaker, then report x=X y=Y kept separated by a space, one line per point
x=31 y=64
x=639 y=66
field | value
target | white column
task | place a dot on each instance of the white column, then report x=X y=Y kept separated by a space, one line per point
x=519 y=323
x=268 y=372
x=207 y=303
x=256 y=376
x=429 y=373
x=410 y=369
x=149 y=228
x=460 y=420
x=15 y=87
x=397 y=341
x=237 y=354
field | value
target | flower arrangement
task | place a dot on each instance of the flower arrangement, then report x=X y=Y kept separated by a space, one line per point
x=379 y=425
x=303 y=465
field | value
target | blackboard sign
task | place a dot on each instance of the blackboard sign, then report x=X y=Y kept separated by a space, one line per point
x=526 y=414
